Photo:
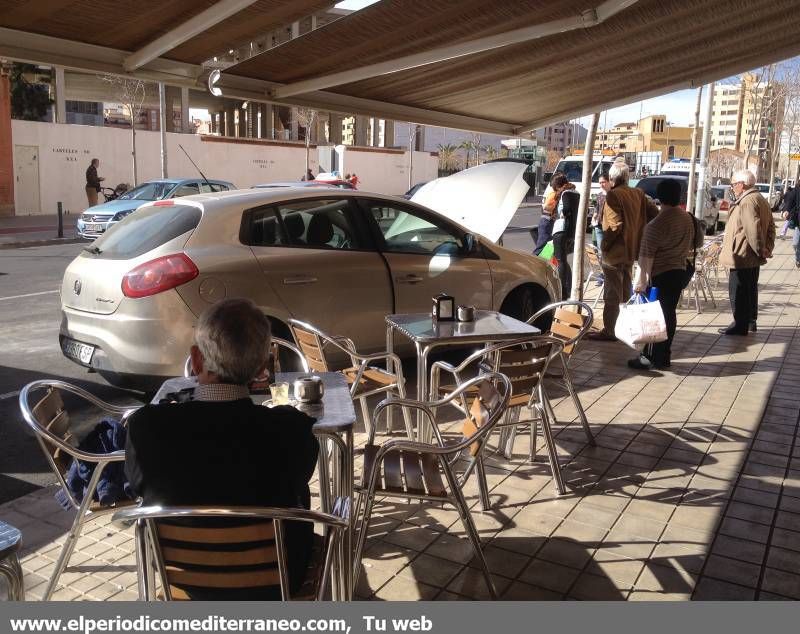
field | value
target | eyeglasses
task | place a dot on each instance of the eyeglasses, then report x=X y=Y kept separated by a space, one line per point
x=737 y=183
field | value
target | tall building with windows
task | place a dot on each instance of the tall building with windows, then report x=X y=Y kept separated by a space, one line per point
x=562 y=137
x=746 y=116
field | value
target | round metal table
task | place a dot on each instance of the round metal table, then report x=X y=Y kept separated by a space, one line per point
x=10 y=541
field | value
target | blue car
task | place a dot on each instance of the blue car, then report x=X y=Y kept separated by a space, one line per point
x=96 y=220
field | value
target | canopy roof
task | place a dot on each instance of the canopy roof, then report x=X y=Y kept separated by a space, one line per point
x=499 y=66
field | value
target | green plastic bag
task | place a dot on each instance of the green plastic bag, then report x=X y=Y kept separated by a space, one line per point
x=547 y=251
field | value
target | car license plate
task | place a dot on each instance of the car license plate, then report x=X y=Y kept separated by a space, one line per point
x=94 y=227
x=79 y=352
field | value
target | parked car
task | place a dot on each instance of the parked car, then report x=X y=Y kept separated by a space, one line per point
x=341 y=260
x=775 y=199
x=710 y=206
x=413 y=190
x=95 y=221
x=725 y=197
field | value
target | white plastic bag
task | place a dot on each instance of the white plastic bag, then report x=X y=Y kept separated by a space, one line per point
x=640 y=322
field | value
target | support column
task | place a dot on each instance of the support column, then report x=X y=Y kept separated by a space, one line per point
x=388 y=133
x=419 y=139
x=60 y=109
x=295 y=125
x=360 y=137
x=230 y=121
x=703 y=171
x=171 y=95
x=376 y=132
x=162 y=114
x=267 y=121
x=186 y=122
x=580 y=227
x=335 y=129
x=6 y=145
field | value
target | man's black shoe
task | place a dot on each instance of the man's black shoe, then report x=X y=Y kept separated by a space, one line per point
x=731 y=330
x=753 y=326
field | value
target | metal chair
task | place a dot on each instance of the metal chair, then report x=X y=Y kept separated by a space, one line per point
x=700 y=283
x=10 y=540
x=525 y=363
x=595 y=271
x=365 y=380
x=50 y=423
x=401 y=468
x=222 y=558
x=276 y=343
x=569 y=327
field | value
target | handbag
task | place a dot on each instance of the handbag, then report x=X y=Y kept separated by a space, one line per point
x=640 y=322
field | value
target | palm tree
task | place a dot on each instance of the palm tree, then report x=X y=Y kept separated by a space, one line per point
x=491 y=152
x=448 y=159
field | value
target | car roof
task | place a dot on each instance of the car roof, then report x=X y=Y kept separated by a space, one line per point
x=664 y=176
x=184 y=180
x=294 y=184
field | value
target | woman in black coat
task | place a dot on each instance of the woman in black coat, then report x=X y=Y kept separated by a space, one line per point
x=564 y=238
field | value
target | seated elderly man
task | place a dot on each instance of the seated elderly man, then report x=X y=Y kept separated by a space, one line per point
x=221 y=448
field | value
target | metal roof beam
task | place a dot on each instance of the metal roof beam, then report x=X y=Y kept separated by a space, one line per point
x=186 y=31
x=589 y=18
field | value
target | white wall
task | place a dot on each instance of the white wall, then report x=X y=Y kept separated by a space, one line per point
x=386 y=171
x=66 y=150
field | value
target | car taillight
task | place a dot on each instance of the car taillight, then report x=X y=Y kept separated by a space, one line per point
x=159 y=275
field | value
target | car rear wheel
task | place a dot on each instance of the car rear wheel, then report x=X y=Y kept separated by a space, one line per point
x=524 y=301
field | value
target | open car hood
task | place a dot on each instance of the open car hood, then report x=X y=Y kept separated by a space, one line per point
x=483 y=199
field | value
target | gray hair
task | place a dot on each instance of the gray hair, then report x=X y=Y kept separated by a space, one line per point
x=233 y=337
x=619 y=173
x=745 y=176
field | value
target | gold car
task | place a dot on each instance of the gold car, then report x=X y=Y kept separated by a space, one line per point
x=338 y=259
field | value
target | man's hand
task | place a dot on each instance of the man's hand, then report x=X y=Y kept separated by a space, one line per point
x=785 y=215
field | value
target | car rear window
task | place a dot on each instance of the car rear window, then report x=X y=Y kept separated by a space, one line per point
x=146 y=229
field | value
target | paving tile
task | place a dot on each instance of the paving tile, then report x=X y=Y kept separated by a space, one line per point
x=733 y=570
x=567 y=552
x=708 y=589
x=745 y=530
x=750 y=512
x=518 y=540
x=591 y=587
x=783 y=559
x=404 y=589
x=471 y=583
x=790 y=521
x=519 y=591
x=621 y=570
x=781 y=582
x=432 y=570
x=741 y=549
x=666 y=579
x=549 y=575
x=535 y=519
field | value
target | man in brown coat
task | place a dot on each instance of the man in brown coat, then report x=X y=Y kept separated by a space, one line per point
x=749 y=240
x=626 y=212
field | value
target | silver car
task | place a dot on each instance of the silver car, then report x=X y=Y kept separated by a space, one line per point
x=96 y=220
x=341 y=260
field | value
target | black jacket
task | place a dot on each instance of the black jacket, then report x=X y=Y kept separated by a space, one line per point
x=228 y=453
x=92 y=179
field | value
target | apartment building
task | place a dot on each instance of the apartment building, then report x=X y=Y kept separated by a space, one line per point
x=650 y=134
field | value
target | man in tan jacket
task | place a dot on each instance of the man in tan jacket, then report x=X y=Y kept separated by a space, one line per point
x=749 y=240
x=626 y=212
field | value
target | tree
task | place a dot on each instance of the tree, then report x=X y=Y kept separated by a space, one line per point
x=490 y=151
x=553 y=157
x=306 y=117
x=29 y=100
x=448 y=157
x=130 y=92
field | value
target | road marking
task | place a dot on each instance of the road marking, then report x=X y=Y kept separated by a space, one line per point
x=2 y=299
x=8 y=395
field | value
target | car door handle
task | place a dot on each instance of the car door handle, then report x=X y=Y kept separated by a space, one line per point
x=409 y=279
x=300 y=279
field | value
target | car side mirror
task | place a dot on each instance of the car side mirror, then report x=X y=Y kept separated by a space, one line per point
x=469 y=244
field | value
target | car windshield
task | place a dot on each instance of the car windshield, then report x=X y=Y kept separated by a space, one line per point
x=149 y=191
x=573 y=170
x=650 y=185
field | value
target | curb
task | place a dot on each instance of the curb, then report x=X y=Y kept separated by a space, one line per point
x=39 y=243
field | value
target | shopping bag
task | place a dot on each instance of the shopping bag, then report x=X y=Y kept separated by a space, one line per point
x=547 y=251
x=640 y=322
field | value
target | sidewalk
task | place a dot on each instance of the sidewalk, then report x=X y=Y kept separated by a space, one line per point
x=693 y=489
x=38 y=230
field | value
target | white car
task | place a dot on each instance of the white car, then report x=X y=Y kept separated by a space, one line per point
x=339 y=259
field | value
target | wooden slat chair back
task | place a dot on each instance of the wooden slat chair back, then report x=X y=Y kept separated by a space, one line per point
x=50 y=413
x=367 y=374
x=524 y=367
x=214 y=558
x=312 y=348
x=238 y=548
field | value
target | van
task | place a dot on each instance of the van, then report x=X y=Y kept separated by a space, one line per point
x=711 y=204
x=572 y=167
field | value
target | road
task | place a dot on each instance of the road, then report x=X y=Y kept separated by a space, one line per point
x=29 y=313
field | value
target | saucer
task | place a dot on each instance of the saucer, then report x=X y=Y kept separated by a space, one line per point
x=291 y=403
